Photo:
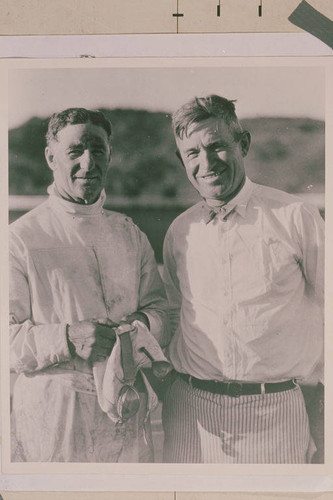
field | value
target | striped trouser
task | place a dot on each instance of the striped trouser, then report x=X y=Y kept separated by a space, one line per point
x=201 y=427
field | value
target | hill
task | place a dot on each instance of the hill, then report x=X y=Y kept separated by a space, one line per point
x=286 y=153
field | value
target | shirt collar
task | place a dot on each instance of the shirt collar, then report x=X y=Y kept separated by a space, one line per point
x=237 y=204
x=72 y=208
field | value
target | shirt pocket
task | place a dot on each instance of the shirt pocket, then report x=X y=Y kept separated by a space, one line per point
x=279 y=261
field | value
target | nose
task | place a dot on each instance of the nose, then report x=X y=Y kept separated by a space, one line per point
x=87 y=160
x=207 y=159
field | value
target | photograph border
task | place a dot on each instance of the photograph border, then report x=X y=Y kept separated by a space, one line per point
x=164 y=469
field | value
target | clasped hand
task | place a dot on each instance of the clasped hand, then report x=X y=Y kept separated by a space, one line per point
x=92 y=340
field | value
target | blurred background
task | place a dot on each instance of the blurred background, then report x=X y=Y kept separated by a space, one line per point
x=282 y=107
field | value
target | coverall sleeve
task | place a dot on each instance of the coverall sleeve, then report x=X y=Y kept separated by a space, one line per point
x=171 y=282
x=32 y=346
x=152 y=298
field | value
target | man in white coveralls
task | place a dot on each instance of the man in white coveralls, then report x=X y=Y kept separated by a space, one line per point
x=76 y=270
x=244 y=277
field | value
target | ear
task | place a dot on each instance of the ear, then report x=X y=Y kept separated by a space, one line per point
x=245 y=143
x=179 y=157
x=50 y=158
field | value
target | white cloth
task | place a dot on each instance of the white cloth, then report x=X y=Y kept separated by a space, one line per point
x=71 y=262
x=109 y=373
x=246 y=289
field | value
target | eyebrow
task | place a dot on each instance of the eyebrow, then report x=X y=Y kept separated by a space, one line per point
x=94 y=141
x=191 y=150
x=216 y=143
x=210 y=145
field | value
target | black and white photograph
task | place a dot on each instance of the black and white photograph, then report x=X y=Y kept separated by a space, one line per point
x=166 y=265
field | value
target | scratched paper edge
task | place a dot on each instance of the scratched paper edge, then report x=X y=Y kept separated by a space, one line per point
x=28 y=17
x=62 y=495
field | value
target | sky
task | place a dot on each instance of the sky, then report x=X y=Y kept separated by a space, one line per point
x=260 y=91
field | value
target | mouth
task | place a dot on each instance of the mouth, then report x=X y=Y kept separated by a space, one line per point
x=86 y=178
x=213 y=175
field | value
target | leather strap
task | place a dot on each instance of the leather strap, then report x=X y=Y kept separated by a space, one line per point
x=127 y=361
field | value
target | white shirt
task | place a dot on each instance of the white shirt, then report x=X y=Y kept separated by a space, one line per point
x=245 y=289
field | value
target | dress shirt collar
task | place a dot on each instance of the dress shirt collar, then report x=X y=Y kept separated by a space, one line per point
x=72 y=208
x=237 y=204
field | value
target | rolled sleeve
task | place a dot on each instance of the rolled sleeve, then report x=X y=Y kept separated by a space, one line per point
x=34 y=347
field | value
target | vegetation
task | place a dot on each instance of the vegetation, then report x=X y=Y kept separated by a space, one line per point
x=286 y=153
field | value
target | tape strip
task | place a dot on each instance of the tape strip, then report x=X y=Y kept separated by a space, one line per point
x=309 y=19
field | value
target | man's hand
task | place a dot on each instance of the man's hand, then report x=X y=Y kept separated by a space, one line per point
x=140 y=316
x=92 y=340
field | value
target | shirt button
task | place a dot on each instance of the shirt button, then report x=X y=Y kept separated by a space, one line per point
x=225 y=321
x=226 y=293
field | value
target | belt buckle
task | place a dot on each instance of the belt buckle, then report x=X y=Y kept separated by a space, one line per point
x=234 y=389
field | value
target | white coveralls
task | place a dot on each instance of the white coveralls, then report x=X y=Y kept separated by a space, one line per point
x=71 y=262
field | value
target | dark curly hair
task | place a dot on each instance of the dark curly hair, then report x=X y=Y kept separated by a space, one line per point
x=74 y=116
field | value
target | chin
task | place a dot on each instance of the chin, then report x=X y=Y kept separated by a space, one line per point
x=89 y=196
x=215 y=195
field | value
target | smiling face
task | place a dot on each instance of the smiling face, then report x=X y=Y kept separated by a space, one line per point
x=79 y=157
x=213 y=159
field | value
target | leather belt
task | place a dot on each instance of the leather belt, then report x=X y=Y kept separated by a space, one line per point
x=236 y=389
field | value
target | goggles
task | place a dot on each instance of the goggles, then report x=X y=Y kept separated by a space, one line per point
x=128 y=402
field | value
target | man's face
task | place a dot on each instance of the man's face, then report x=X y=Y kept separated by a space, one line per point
x=80 y=157
x=213 y=159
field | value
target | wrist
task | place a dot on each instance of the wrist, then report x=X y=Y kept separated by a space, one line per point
x=139 y=316
x=70 y=344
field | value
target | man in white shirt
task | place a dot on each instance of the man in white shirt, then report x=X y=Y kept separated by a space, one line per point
x=76 y=271
x=243 y=271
